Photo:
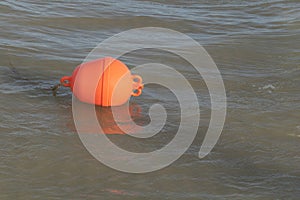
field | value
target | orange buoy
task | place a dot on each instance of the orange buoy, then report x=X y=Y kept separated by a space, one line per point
x=104 y=82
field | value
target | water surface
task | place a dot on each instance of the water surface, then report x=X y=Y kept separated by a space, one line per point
x=256 y=47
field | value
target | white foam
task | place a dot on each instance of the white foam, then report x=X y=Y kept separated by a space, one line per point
x=269 y=86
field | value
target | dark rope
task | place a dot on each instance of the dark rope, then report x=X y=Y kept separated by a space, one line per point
x=55 y=88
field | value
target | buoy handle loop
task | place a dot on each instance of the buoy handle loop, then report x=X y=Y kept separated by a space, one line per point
x=137 y=85
x=66 y=81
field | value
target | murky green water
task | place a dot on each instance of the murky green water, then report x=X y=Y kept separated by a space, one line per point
x=256 y=46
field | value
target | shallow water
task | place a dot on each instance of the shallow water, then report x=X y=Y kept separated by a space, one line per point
x=256 y=47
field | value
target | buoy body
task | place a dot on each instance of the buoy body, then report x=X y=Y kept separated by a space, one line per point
x=104 y=82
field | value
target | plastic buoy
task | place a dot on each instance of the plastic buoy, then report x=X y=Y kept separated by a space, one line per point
x=103 y=82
